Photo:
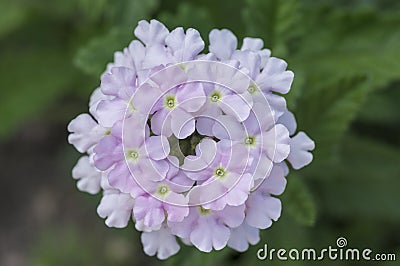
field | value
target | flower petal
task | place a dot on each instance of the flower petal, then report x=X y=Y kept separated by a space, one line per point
x=222 y=43
x=117 y=208
x=300 y=145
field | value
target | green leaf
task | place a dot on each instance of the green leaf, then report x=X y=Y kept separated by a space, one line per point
x=374 y=113
x=93 y=57
x=364 y=183
x=36 y=75
x=326 y=114
x=124 y=15
x=276 y=21
x=189 y=16
x=298 y=202
x=346 y=43
x=127 y=13
x=13 y=16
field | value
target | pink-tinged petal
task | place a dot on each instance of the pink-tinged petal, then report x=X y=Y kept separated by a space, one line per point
x=276 y=143
x=117 y=208
x=274 y=77
x=111 y=111
x=222 y=43
x=275 y=183
x=161 y=123
x=184 y=46
x=191 y=97
x=107 y=152
x=157 y=147
x=120 y=82
x=228 y=127
x=252 y=44
x=261 y=210
x=176 y=207
x=149 y=210
x=151 y=33
x=300 y=147
x=289 y=121
x=160 y=242
x=89 y=178
x=208 y=234
x=232 y=216
x=237 y=106
x=182 y=123
x=242 y=236
x=85 y=132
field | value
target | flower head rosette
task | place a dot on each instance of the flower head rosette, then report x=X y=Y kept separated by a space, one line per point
x=192 y=147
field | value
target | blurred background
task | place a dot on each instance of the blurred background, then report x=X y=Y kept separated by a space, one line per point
x=346 y=96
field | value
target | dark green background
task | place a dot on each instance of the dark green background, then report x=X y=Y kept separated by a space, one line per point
x=346 y=96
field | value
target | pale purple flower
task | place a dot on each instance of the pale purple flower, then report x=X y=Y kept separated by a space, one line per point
x=163 y=200
x=174 y=111
x=225 y=180
x=116 y=207
x=161 y=242
x=261 y=207
x=222 y=100
x=226 y=108
x=88 y=176
x=300 y=154
x=267 y=143
x=242 y=236
x=208 y=229
x=119 y=84
x=85 y=132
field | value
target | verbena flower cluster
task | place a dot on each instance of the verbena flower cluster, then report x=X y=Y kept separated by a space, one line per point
x=193 y=147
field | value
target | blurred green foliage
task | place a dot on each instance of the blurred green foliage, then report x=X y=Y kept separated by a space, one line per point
x=346 y=94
